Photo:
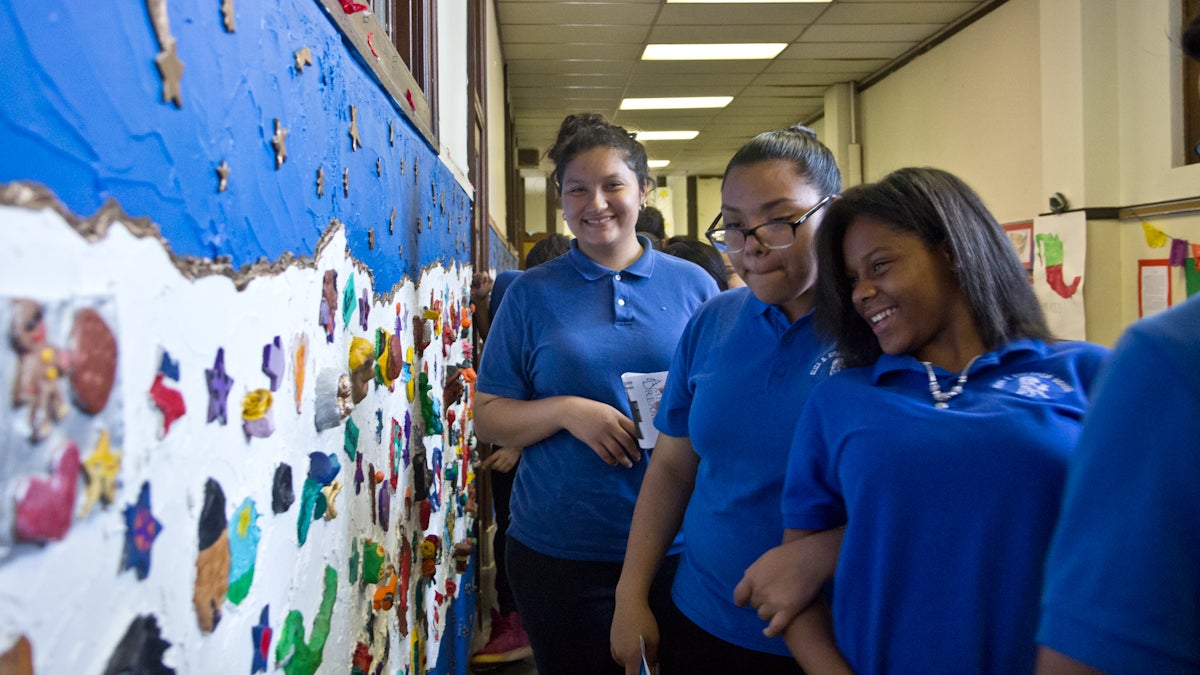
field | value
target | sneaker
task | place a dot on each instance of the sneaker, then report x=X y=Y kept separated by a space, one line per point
x=508 y=642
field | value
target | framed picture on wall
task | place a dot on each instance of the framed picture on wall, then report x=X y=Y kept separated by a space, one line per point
x=1154 y=286
x=1021 y=237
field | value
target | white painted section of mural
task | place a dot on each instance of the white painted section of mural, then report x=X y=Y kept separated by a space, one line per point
x=72 y=600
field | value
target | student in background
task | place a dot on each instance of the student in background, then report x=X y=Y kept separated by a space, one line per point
x=704 y=255
x=652 y=224
x=1122 y=592
x=550 y=382
x=941 y=448
x=746 y=363
x=508 y=641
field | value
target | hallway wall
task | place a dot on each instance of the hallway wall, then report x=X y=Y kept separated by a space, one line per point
x=239 y=440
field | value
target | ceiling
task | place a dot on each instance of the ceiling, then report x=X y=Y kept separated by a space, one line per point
x=566 y=56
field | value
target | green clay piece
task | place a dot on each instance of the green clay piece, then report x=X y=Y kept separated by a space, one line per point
x=350 y=444
x=372 y=562
x=349 y=301
x=293 y=653
x=309 y=498
x=354 y=561
x=433 y=424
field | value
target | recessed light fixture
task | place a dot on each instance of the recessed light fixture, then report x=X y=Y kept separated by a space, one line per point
x=713 y=52
x=658 y=163
x=667 y=135
x=732 y=2
x=675 y=103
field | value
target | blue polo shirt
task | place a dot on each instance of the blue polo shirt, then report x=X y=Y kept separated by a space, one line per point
x=1123 y=577
x=948 y=513
x=736 y=387
x=570 y=327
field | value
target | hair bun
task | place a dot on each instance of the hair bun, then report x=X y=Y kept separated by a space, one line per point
x=572 y=125
x=801 y=129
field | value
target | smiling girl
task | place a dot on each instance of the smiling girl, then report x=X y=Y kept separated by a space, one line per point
x=941 y=448
x=550 y=382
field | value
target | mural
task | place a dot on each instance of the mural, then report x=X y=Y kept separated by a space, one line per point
x=231 y=276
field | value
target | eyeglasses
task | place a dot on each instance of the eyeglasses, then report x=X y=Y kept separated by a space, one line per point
x=775 y=234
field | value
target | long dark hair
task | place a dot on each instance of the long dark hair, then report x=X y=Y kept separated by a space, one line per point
x=581 y=132
x=945 y=213
x=797 y=144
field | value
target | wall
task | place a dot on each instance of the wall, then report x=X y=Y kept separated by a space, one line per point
x=198 y=335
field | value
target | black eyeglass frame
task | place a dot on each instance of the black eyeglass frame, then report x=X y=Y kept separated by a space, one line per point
x=723 y=247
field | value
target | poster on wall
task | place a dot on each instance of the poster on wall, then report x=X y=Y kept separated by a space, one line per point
x=1154 y=286
x=1060 y=250
x=1020 y=235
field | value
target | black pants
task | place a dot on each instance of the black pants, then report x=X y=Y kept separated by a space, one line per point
x=566 y=607
x=688 y=649
x=502 y=485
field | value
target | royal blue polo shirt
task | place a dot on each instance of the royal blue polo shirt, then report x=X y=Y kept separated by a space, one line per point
x=948 y=512
x=570 y=327
x=736 y=387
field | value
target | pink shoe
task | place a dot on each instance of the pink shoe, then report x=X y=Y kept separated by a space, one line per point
x=508 y=642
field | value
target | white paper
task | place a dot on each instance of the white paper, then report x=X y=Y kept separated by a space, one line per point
x=645 y=392
x=1156 y=282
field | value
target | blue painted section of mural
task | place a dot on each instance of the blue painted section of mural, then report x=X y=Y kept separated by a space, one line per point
x=500 y=257
x=81 y=112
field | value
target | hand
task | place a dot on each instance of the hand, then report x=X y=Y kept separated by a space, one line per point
x=606 y=430
x=502 y=459
x=787 y=578
x=481 y=287
x=633 y=622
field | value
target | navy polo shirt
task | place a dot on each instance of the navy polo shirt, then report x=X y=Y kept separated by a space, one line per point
x=948 y=512
x=570 y=327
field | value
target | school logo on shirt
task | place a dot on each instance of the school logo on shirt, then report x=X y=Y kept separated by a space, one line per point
x=831 y=357
x=1040 y=386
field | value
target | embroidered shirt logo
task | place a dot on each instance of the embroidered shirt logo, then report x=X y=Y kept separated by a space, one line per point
x=835 y=361
x=1042 y=386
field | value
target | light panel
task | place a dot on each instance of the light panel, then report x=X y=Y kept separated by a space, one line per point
x=658 y=163
x=713 y=52
x=667 y=135
x=675 y=103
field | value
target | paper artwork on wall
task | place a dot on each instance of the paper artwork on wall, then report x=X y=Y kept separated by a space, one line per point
x=141 y=529
x=213 y=559
x=1060 y=245
x=140 y=650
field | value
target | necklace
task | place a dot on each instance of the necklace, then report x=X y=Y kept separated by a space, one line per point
x=941 y=398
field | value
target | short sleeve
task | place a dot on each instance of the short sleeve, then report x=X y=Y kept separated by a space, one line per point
x=502 y=369
x=812 y=497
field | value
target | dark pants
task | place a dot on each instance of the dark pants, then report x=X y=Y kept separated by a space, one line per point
x=688 y=649
x=566 y=607
x=502 y=484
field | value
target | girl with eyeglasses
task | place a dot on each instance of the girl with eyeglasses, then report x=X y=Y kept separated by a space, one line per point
x=744 y=366
x=550 y=382
x=941 y=449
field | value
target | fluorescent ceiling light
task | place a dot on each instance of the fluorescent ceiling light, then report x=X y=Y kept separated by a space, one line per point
x=658 y=163
x=730 y=2
x=667 y=135
x=713 y=52
x=675 y=103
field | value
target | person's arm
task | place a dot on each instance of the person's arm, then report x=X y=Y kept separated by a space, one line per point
x=501 y=459
x=786 y=579
x=809 y=638
x=1051 y=662
x=657 y=516
x=481 y=295
x=606 y=430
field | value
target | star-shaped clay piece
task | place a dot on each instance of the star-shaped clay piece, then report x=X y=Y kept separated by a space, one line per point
x=273 y=362
x=141 y=529
x=101 y=469
x=303 y=58
x=170 y=68
x=219 y=385
x=279 y=143
x=222 y=176
x=355 y=142
x=330 y=493
x=260 y=635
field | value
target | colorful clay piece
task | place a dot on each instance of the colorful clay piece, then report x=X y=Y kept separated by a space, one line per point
x=39 y=369
x=299 y=361
x=257 y=418
x=378 y=425
x=243 y=549
x=279 y=144
x=355 y=142
x=358 y=474
x=302 y=57
x=385 y=506
x=219 y=385
x=100 y=470
x=350 y=440
x=293 y=653
x=282 y=493
x=351 y=7
x=273 y=362
x=406 y=561
x=346 y=190
x=354 y=560
x=140 y=650
x=260 y=638
x=93 y=350
x=348 y=301
x=362 y=368
x=329 y=493
x=320 y=179
x=429 y=414
x=385 y=593
x=141 y=529
x=462 y=555
x=334 y=399
x=18 y=659
x=44 y=505
x=360 y=663
x=213 y=559
x=168 y=401
x=322 y=470
x=222 y=176
x=364 y=308
x=328 y=307
x=373 y=560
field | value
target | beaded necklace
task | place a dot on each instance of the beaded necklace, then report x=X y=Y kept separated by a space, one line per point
x=941 y=398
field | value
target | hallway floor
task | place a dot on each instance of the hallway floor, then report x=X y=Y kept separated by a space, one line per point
x=523 y=667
